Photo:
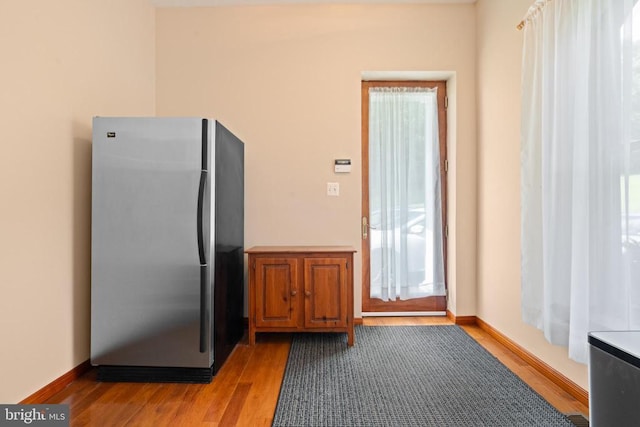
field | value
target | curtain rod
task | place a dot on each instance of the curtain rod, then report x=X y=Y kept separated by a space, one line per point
x=534 y=9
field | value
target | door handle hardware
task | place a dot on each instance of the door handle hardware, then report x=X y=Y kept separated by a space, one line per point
x=365 y=228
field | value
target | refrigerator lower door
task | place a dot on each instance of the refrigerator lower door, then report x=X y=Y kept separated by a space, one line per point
x=147 y=302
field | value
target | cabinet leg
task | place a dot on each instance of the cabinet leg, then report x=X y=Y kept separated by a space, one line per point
x=252 y=337
x=350 y=337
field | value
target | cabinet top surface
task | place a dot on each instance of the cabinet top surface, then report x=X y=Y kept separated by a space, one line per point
x=299 y=249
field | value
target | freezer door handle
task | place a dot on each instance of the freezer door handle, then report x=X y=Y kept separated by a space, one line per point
x=200 y=219
x=205 y=142
x=203 y=308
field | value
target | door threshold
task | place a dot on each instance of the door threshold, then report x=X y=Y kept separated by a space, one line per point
x=403 y=313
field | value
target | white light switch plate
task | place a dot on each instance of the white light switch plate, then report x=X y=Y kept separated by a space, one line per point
x=333 y=189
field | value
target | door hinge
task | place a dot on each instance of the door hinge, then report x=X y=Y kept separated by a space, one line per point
x=347 y=265
x=254 y=265
x=446 y=231
x=446 y=102
x=446 y=165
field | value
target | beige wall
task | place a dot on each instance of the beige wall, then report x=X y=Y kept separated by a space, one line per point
x=499 y=66
x=286 y=79
x=62 y=63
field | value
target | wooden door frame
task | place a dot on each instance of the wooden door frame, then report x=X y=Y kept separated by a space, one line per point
x=434 y=303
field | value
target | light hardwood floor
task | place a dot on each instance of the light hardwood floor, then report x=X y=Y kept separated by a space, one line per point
x=245 y=391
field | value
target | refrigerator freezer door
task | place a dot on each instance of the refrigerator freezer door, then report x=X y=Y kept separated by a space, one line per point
x=146 y=266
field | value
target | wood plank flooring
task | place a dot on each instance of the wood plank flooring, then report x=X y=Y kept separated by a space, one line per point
x=245 y=391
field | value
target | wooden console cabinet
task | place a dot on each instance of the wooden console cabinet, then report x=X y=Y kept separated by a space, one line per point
x=301 y=289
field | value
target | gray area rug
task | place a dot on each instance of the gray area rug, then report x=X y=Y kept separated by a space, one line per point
x=404 y=376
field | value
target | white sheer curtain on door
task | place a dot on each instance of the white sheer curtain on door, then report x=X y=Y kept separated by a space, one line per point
x=580 y=177
x=404 y=194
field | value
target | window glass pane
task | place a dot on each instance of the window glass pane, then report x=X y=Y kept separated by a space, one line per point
x=401 y=192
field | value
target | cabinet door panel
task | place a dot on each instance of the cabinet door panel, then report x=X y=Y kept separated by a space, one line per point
x=276 y=292
x=325 y=292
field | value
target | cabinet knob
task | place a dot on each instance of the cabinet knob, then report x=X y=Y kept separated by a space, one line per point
x=294 y=293
x=307 y=293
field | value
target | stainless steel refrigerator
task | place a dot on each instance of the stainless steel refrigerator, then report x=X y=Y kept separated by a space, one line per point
x=167 y=248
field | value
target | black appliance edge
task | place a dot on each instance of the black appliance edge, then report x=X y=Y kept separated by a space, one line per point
x=614 y=351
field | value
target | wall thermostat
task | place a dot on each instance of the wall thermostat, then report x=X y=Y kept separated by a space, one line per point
x=342 y=165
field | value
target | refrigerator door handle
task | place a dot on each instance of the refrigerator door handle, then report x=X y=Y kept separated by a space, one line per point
x=203 y=308
x=203 y=262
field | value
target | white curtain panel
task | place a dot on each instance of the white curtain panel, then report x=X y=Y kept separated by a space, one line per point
x=579 y=193
x=406 y=250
